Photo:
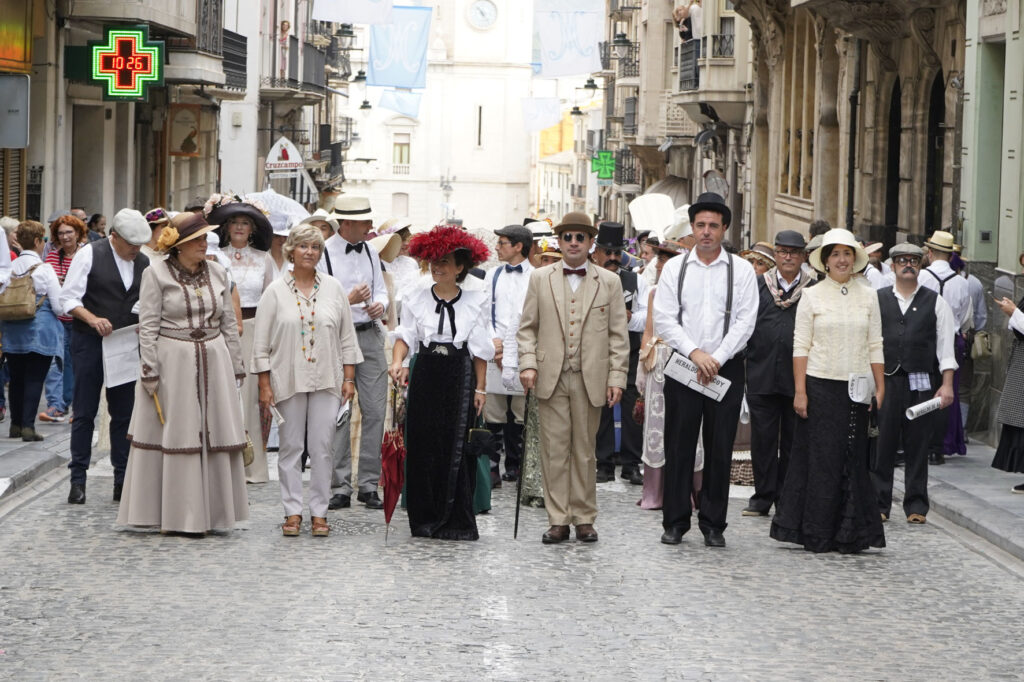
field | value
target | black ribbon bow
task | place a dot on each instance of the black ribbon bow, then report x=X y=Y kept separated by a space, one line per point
x=443 y=305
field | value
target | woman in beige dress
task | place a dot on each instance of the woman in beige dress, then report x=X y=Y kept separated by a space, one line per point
x=305 y=354
x=185 y=472
x=245 y=239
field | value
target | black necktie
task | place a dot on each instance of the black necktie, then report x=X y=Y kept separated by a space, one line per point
x=582 y=272
x=443 y=305
x=358 y=248
x=514 y=268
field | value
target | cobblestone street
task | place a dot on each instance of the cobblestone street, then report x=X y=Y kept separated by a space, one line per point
x=79 y=599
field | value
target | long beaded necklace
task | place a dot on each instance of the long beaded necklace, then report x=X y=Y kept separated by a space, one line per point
x=303 y=322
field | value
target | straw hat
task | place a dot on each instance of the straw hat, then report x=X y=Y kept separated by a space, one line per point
x=320 y=215
x=940 y=241
x=761 y=251
x=387 y=245
x=839 y=237
x=348 y=207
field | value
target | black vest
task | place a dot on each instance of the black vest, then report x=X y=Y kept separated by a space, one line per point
x=908 y=340
x=770 y=348
x=105 y=295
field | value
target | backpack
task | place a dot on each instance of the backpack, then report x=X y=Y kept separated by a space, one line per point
x=18 y=300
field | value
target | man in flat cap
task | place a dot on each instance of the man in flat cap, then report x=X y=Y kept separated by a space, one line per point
x=101 y=293
x=506 y=288
x=917 y=340
x=770 y=370
x=574 y=352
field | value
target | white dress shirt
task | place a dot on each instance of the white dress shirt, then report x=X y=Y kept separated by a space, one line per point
x=944 y=327
x=783 y=284
x=355 y=268
x=505 y=296
x=955 y=290
x=1016 y=321
x=44 y=277
x=420 y=319
x=876 y=278
x=574 y=280
x=77 y=279
x=978 y=305
x=703 y=306
x=638 y=315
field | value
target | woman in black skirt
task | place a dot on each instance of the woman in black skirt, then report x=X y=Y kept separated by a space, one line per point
x=1010 y=453
x=828 y=502
x=445 y=327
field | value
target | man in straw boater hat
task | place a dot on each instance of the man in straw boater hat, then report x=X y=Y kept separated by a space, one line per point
x=917 y=340
x=705 y=309
x=574 y=352
x=101 y=293
x=506 y=289
x=356 y=264
x=770 y=386
x=608 y=255
x=940 y=277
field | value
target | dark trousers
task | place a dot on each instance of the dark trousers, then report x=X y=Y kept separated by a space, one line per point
x=916 y=437
x=685 y=412
x=771 y=437
x=28 y=373
x=87 y=359
x=632 y=443
x=511 y=435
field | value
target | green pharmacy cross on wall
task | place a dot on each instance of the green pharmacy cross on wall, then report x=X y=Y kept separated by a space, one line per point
x=125 y=64
x=603 y=164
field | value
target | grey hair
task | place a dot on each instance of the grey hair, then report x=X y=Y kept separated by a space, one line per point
x=9 y=224
x=303 y=234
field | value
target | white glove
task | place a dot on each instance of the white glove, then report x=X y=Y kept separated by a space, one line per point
x=510 y=378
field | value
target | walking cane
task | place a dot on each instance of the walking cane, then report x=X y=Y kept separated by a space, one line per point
x=522 y=468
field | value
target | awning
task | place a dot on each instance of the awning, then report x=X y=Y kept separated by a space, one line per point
x=675 y=187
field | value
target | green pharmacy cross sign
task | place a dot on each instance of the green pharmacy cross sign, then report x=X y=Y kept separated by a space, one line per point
x=603 y=164
x=126 y=63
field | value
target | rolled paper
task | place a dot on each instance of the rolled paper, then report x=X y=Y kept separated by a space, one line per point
x=923 y=408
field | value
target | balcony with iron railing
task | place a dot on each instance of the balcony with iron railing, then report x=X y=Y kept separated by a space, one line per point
x=712 y=78
x=300 y=72
x=626 y=168
x=605 y=50
x=629 y=63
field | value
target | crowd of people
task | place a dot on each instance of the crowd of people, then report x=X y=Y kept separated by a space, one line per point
x=573 y=355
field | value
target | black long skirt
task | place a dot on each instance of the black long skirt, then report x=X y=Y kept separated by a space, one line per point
x=827 y=501
x=439 y=478
x=1010 y=452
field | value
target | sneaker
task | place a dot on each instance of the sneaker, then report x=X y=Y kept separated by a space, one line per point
x=52 y=414
x=1018 y=489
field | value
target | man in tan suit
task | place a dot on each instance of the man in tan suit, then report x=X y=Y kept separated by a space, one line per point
x=565 y=303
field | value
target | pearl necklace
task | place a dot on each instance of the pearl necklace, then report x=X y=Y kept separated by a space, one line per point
x=311 y=323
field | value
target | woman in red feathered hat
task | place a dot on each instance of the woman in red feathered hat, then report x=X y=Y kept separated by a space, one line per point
x=446 y=328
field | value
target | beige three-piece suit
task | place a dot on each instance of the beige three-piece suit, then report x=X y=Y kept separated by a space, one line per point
x=577 y=342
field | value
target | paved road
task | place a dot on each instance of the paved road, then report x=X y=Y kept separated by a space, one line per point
x=79 y=599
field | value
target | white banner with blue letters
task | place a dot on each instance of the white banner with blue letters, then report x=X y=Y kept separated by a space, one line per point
x=398 y=51
x=569 y=33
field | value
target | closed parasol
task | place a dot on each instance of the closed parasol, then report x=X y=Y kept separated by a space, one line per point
x=392 y=458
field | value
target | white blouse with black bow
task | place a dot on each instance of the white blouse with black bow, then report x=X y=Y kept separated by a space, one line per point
x=427 y=319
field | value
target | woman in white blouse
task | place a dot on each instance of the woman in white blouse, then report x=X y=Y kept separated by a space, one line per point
x=245 y=237
x=828 y=501
x=31 y=345
x=445 y=326
x=304 y=355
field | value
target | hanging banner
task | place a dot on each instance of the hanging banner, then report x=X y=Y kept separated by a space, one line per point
x=284 y=156
x=398 y=51
x=540 y=113
x=569 y=33
x=353 y=11
x=405 y=103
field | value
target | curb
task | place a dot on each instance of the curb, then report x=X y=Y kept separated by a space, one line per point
x=23 y=465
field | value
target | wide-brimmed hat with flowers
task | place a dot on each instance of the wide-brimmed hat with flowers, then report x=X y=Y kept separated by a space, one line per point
x=442 y=240
x=220 y=208
x=184 y=227
x=761 y=251
x=837 y=236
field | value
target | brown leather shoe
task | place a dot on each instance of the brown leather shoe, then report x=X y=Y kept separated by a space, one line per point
x=555 y=534
x=585 y=532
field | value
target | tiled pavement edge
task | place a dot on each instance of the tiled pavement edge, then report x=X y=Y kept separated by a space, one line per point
x=22 y=463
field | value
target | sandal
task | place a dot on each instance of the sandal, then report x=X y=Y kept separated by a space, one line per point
x=319 y=527
x=290 y=527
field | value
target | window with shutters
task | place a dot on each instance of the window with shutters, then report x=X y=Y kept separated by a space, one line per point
x=12 y=183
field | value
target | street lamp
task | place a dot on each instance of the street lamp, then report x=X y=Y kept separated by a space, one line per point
x=620 y=46
x=365 y=106
x=576 y=111
x=591 y=84
x=360 y=77
x=346 y=36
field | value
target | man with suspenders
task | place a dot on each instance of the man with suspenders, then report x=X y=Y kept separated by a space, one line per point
x=705 y=308
x=356 y=264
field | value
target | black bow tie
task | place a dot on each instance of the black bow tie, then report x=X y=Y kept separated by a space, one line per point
x=358 y=248
x=582 y=272
x=514 y=268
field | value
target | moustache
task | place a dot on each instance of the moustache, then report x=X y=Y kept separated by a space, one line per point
x=612 y=261
x=908 y=269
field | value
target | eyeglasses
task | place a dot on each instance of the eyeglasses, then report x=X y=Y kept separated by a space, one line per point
x=612 y=252
x=570 y=236
x=787 y=253
x=504 y=242
x=907 y=260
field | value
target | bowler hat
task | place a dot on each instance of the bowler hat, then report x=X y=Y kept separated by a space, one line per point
x=576 y=221
x=790 y=239
x=610 y=235
x=709 y=201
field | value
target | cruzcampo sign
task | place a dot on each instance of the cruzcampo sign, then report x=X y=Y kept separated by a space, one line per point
x=125 y=64
x=603 y=164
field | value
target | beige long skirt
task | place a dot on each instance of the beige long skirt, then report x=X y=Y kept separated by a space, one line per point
x=256 y=472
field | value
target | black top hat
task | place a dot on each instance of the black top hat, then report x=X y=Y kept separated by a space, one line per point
x=790 y=239
x=610 y=235
x=709 y=201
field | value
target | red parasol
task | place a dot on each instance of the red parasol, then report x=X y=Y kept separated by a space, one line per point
x=392 y=460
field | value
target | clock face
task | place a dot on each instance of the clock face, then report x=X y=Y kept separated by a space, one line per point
x=483 y=14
